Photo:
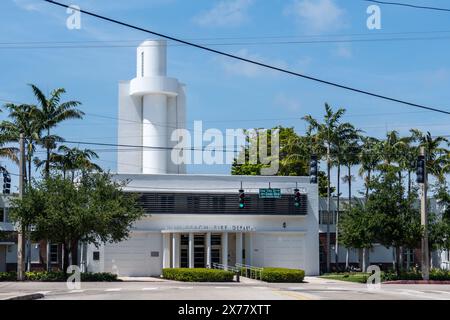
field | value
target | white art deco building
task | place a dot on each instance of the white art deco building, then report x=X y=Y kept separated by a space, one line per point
x=195 y=220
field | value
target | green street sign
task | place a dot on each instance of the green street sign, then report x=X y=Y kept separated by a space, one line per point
x=270 y=193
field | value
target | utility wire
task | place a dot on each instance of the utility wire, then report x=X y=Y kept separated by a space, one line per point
x=218 y=44
x=401 y=4
x=254 y=62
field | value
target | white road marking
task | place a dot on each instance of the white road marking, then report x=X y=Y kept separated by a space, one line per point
x=337 y=288
x=185 y=287
x=148 y=289
x=419 y=294
x=113 y=289
x=260 y=288
x=76 y=291
x=222 y=287
x=440 y=292
x=43 y=292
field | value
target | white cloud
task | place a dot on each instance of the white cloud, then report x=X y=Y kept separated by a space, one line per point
x=227 y=13
x=29 y=5
x=317 y=15
x=343 y=51
x=241 y=68
x=291 y=104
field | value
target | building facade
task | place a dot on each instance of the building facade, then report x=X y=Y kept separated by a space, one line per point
x=195 y=221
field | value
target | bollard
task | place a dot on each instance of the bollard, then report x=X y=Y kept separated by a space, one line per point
x=238 y=276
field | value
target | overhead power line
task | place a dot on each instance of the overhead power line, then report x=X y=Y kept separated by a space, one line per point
x=264 y=65
x=401 y=4
x=63 y=45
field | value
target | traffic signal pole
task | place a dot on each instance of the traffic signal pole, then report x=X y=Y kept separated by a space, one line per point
x=21 y=227
x=424 y=218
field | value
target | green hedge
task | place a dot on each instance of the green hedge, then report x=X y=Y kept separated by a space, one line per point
x=197 y=275
x=58 y=276
x=282 y=275
x=435 y=274
x=7 y=276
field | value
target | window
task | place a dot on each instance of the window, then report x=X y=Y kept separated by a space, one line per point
x=96 y=255
x=167 y=203
x=216 y=239
x=218 y=203
x=325 y=216
x=2 y=215
x=54 y=253
x=154 y=254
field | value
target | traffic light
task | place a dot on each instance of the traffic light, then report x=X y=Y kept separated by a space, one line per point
x=241 y=199
x=297 y=198
x=420 y=170
x=6 y=183
x=313 y=169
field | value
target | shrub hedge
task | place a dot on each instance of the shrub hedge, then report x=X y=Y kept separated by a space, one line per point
x=282 y=275
x=435 y=274
x=58 y=276
x=197 y=275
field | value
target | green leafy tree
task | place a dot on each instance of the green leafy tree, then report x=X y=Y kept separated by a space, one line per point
x=293 y=161
x=398 y=222
x=357 y=229
x=94 y=210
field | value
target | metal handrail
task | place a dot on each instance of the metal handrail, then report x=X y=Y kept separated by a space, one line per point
x=224 y=267
x=249 y=271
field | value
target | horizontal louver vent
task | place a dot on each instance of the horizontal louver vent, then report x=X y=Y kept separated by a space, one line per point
x=186 y=203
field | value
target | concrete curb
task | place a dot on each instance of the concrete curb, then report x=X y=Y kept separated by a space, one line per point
x=32 y=296
x=417 y=282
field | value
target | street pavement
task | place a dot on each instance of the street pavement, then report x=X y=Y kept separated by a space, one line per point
x=312 y=289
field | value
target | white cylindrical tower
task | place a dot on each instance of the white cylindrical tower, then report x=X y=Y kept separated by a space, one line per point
x=151 y=59
x=154 y=133
x=156 y=96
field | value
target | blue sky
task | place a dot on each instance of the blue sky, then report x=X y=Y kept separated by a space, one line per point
x=221 y=90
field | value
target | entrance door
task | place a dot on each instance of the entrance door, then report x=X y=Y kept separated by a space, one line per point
x=199 y=251
x=216 y=248
x=184 y=251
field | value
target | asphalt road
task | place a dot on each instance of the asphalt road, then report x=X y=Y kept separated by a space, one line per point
x=312 y=289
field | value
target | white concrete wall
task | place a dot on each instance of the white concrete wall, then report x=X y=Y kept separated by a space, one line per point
x=129 y=159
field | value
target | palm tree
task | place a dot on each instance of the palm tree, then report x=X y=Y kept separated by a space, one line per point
x=52 y=112
x=327 y=137
x=369 y=159
x=23 y=120
x=8 y=152
x=351 y=154
x=71 y=160
x=345 y=134
x=436 y=155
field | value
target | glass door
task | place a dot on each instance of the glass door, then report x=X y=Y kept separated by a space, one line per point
x=199 y=251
